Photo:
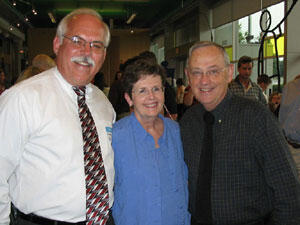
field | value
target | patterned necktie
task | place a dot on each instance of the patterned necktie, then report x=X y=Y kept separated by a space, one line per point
x=204 y=212
x=97 y=204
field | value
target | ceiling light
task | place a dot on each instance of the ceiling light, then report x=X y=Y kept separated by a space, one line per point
x=133 y=15
x=14 y=3
x=34 y=11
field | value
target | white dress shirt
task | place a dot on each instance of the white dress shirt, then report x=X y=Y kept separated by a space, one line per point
x=41 y=147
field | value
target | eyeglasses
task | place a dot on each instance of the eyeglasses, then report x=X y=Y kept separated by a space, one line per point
x=79 y=42
x=210 y=73
x=143 y=92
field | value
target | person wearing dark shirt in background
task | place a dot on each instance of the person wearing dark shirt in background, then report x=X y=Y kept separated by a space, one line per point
x=170 y=94
x=99 y=80
x=116 y=97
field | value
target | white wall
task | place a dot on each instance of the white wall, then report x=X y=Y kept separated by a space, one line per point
x=223 y=35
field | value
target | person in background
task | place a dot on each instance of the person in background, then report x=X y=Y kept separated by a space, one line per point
x=56 y=159
x=240 y=167
x=189 y=98
x=179 y=97
x=242 y=84
x=151 y=176
x=116 y=97
x=40 y=63
x=274 y=103
x=99 y=80
x=170 y=107
x=2 y=81
x=263 y=82
x=118 y=75
x=43 y=62
x=289 y=117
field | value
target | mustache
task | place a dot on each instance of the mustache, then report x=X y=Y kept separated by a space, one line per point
x=84 y=59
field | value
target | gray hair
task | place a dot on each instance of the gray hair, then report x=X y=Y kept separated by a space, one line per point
x=63 y=24
x=203 y=44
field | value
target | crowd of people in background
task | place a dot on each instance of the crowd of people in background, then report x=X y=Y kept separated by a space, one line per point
x=178 y=98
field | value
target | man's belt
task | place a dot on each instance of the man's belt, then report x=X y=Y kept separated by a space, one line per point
x=41 y=220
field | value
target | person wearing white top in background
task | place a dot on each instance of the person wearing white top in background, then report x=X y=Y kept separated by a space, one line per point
x=41 y=155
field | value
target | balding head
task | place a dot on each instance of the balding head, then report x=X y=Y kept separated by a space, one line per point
x=43 y=62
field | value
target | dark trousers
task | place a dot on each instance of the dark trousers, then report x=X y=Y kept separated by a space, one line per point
x=262 y=222
x=16 y=220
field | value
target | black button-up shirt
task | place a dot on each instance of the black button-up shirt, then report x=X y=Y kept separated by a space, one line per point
x=253 y=174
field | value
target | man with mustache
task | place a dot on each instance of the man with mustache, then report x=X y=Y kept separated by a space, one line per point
x=56 y=160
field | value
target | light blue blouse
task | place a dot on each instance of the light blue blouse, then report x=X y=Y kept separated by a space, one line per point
x=150 y=183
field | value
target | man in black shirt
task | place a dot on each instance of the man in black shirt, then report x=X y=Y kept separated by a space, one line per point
x=240 y=169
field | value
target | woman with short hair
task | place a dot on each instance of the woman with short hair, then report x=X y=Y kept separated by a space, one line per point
x=151 y=176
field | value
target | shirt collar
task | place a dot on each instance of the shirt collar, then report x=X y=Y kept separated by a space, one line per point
x=219 y=112
x=140 y=133
x=238 y=81
x=68 y=87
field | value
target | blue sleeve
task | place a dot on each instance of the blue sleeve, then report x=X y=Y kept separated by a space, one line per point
x=122 y=144
x=118 y=168
x=175 y=130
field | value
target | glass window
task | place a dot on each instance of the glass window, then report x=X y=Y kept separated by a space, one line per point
x=223 y=35
x=243 y=37
x=269 y=47
x=249 y=26
x=277 y=14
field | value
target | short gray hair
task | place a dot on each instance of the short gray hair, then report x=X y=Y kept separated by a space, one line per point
x=202 y=44
x=63 y=24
